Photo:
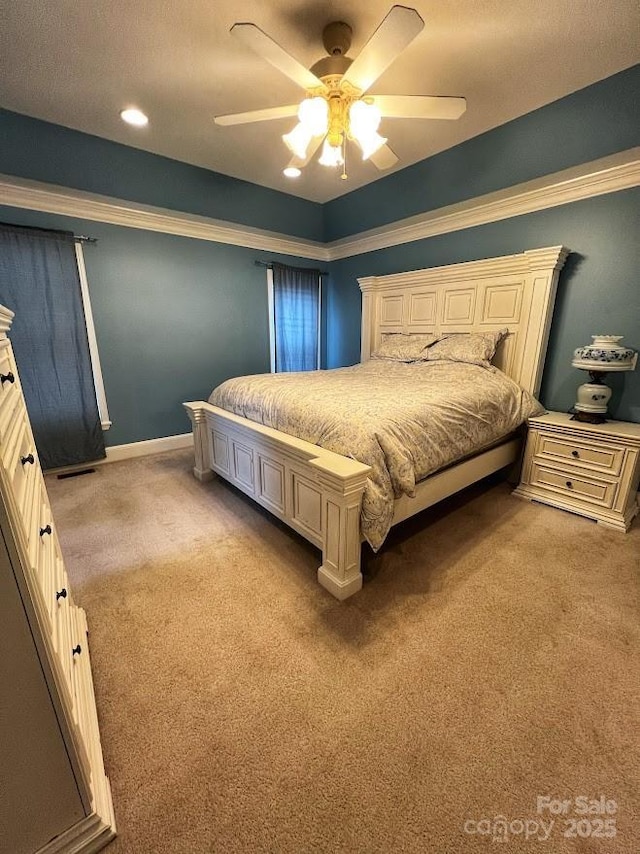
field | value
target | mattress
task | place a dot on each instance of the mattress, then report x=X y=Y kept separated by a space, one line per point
x=405 y=420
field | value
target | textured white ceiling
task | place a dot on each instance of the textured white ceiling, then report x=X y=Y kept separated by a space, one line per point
x=79 y=64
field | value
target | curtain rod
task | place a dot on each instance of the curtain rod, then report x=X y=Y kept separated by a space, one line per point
x=269 y=266
x=82 y=238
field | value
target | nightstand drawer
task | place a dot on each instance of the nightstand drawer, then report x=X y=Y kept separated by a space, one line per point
x=592 y=490
x=597 y=457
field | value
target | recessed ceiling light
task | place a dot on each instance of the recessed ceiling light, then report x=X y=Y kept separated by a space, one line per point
x=134 y=117
x=292 y=172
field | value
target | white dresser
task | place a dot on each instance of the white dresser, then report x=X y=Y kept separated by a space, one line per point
x=54 y=795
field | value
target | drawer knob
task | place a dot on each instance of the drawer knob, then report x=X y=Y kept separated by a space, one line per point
x=7 y=378
x=76 y=650
x=575 y=454
x=45 y=530
x=61 y=594
x=28 y=459
x=569 y=485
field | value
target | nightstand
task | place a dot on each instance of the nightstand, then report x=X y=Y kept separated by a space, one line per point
x=589 y=469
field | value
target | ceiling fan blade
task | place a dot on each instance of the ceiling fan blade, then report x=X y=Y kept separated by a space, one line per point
x=314 y=145
x=383 y=158
x=265 y=47
x=258 y=115
x=419 y=106
x=394 y=34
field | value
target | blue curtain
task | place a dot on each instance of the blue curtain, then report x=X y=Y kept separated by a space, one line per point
x=296 y=306
x=39 y=281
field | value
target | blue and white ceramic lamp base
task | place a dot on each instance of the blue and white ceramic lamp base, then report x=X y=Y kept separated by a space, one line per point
x=600 y=358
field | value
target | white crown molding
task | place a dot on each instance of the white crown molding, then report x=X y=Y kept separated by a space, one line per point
x=50 y=198
x=619 y=171
x=606 y=175
x=550 y=259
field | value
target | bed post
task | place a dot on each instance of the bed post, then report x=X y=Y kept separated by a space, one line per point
x=202 y=468
x=341 y=503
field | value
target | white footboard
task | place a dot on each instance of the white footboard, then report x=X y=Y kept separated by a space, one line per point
x=316 y=492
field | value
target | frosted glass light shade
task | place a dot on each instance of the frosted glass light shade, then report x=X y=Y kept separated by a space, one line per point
x=331 y=155
x=314 y=116
x=298 y=141
x=364 y=120
x=370 y=144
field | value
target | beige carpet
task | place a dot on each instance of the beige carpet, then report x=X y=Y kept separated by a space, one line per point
x=492 y=657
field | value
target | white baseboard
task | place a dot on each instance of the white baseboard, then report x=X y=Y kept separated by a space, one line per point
x=116 y=453
x=149 y=446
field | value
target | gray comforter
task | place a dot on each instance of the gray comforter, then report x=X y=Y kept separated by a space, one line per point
x=406 y=421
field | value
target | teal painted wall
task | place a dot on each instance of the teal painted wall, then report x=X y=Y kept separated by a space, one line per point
x=599 y=289
x=174 y=317
x=591 y=123
x=42 y=151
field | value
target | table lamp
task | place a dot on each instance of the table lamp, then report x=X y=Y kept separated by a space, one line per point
x=601 y=357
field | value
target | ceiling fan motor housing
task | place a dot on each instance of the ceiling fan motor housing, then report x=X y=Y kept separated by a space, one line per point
x=331 y=66
x=336 y=38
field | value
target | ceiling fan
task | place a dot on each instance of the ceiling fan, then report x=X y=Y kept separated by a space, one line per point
x=336 y=107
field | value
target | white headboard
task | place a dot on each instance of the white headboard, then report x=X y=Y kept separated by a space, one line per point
x=516 y=291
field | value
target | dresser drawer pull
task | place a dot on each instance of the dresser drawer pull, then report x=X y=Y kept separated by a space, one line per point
x=28 y=459
x=569 y=485
x=7 y=378
x=76 y=650
x=61 y=594
x=575 y=454
x=45 y=530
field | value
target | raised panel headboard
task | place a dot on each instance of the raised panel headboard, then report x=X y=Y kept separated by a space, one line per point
x=513 y=291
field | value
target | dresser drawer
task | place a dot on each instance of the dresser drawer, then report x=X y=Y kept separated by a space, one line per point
x=11 y=404
x=52 y=576
x=8 y=375
x=577 y=486
x=28 y=493
x=18 y=452
x=81 y=674
x=63 y=636
x=596 y=457
x=39 y=527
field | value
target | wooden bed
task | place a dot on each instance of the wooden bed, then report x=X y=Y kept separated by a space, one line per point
x=318 y=493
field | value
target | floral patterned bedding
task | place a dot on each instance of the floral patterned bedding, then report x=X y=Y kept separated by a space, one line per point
x=406 y=421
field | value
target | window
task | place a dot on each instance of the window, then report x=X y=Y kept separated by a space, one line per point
x=294 y=318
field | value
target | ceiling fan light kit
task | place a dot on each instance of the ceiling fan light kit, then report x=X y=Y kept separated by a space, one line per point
x=331 y=154
x=335 y=108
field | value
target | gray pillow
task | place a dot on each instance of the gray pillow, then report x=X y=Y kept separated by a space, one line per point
x=400 y=347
